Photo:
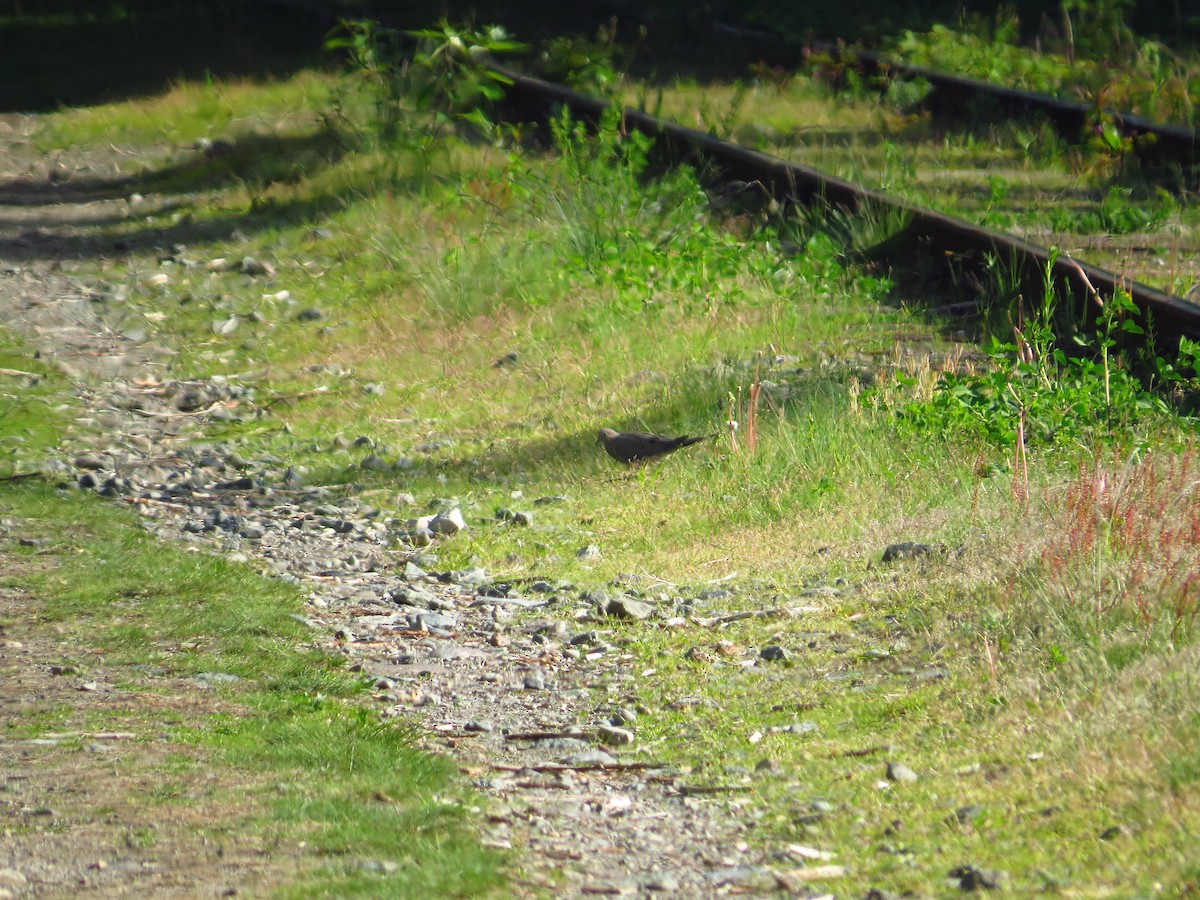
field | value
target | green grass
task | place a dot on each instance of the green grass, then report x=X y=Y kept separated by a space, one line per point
x=1011 y=175
x=33 y=407
x=113 y=591
x=190 y=111
x=1000 y=668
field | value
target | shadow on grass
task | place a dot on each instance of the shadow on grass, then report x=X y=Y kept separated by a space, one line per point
x=256 y=161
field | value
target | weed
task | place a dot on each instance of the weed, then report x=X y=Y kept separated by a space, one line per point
x=1035 y=394
x=587 y=65
x=1125 y=543
x=1111 y=68
x=443 y=81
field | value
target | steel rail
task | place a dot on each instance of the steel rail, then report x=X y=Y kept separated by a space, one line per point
x=935 y=233
x=1168 y=143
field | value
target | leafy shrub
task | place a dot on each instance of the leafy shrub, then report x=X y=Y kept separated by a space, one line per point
x=645 y=235
x=1035 y=394
x=424 y=79
x=1126 y=74
x=1117 y=213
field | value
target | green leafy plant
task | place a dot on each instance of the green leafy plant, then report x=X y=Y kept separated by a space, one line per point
x=444 y=78
x=1035 y=394
x=1117 y=213
x=587 y=65
x=1092 y=55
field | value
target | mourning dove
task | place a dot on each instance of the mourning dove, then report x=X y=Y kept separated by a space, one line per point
x=639 y=446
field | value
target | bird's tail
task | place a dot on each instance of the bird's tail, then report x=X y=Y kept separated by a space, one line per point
x=688 y=439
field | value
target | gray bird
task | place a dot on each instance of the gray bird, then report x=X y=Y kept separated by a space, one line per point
x=639 y=446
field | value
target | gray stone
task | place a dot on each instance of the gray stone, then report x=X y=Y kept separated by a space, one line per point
x=624 y=715
x=775 y=653
x=756 y=878
x=226 y=326
x=592 y=756
x=514 y=517
x=89 y=462
x=900 y=772
x=970 y=878
x=430 y=621
x=476 y=576
x=407 y=596
x=420 y=537
x=968 y=814
x=628 y=608
x=446 y=523
x=256 y=268
x=208 y=679
x=667 y=882
x=906 y=550
x=607 y=734
x=372 y=462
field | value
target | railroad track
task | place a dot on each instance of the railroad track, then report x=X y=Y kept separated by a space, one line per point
x=952 y=94
x=927 y=231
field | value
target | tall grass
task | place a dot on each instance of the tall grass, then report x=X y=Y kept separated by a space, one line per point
x=1124 y=543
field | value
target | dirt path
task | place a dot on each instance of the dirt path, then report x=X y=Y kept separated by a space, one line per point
x=529 y=690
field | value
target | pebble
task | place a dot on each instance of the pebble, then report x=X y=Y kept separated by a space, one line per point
x=226 y=326
x=628 y=608
x=89 y=462
x=624 y=715
x=430 y=621
x=970 y=878
x=256 y=268
x=900 y=772
x=446 y=523
x=514 y=517
x=533 y=680
x=612 y=736
x=408 y=596
x=12 y=878
x=372 y=462
x=661 y=881
x=590 y=757
x=906 y=550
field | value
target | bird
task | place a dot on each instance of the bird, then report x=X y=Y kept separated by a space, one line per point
x=639 y=446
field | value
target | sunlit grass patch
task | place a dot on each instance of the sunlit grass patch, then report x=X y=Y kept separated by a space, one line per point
x=192 y=110
x=363 y=810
